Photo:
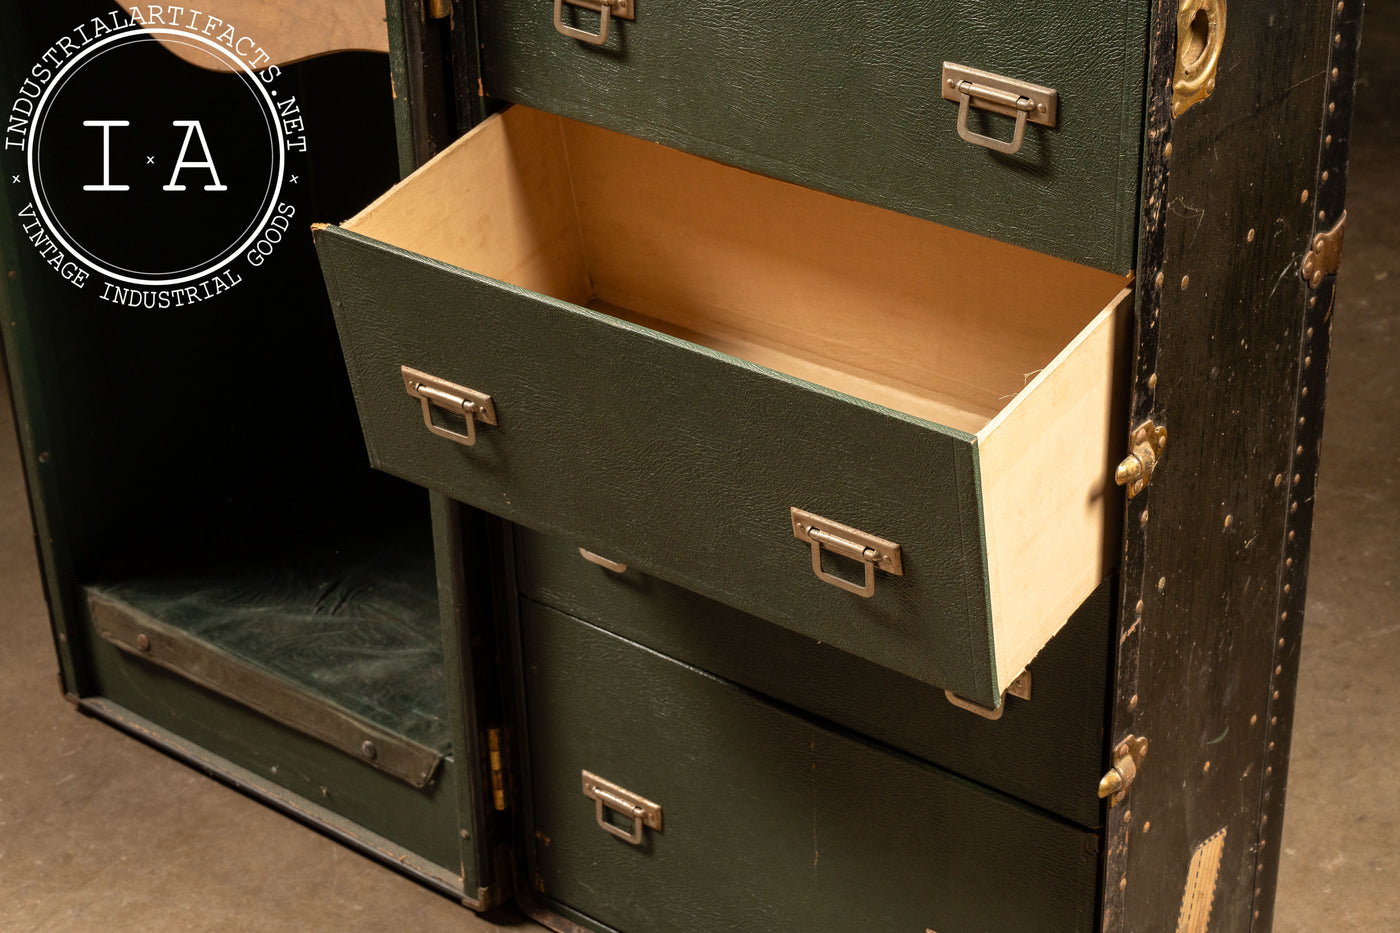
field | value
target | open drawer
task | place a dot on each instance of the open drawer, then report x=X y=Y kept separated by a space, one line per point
x=732 y=382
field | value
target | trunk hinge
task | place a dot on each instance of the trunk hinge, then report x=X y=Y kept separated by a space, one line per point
x=1324 y=256
x=498 y=769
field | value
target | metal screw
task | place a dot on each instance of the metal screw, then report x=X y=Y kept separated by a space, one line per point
x=369 y=750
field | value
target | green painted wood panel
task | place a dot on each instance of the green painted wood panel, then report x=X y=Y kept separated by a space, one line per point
x=846 y=98
x=601 y=440
x=1048 y=752
x=770 y=822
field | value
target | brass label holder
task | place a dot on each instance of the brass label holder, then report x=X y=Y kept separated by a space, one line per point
x=824 y=534
x=609 y=796
x=1010 y=97
x=467 y=403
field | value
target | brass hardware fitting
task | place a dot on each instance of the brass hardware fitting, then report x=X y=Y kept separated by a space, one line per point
x=438 y=9
x=1127 y=757
x=607 y=9
x=1324 y=256
x=870 y=551
x=1135 y=472
x=1200 y=35
x=466 y=403
x=1011 y=97
x=1020 y=688
x=607 y=795
x=498 y=770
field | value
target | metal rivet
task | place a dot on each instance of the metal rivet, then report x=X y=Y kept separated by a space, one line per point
x=143 y=642
x=1283 y=616
x=1132 y=704
x=1161 y=584
x=1147 y=827
x=1205 y=769
x=1123 y=883
x=1293 y=507
x=1300 y=450
x=1278 y=479
x=1305 y=391
x=1296 y=478
x=1290 y=536
x=1312 y=301
x=1253 y=720
x=1280 y=642
x=1304 y=196
x=1328 y=139
x=1287 y=588
x=1168 y=151
x=464 y=834
x=1321 y=215
x=1143 y=518
x=1275 y=694
x=1128 y=817
x=1152 y=381
x=1160 y=279
x=1289 y=562
x=1138 y=607
x=368 y=750
x=1273 y=721
x=1337 y=39
x=1228 y=520
x=1326 y=175
x=1278 y=670
x=44 y=456
x=1270 y=770
x=1307 y=361
x=1310 y=331
x=1185 y=281
x=1249 y=237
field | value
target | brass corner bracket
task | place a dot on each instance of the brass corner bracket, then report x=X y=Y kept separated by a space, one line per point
x=1127 y=757
x=1324 y=256
x=1135 y=472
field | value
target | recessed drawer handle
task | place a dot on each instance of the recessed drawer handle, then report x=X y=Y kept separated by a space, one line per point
x=1028 y=103
x=433 y=392
x=607 y=9
x=873 y=552
x=607 y=795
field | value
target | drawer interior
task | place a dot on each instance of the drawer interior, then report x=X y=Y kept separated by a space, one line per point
x=940 y=324
x=1016 y=354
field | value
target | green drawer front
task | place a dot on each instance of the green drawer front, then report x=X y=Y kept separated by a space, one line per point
x=1048 y=752
x=673 y=458
x=769 y=823
x=846 y=98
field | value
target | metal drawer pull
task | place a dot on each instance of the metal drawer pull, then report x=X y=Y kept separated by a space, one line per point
x=433 y=392
x=622 y=9
x=849 y=542
x=601 y=561
x=639 y=810
x=1028 y=103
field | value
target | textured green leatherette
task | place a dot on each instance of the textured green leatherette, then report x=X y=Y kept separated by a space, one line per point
x=845 y=97
x=1047 y=752
x=673 y=458
x=771 y=823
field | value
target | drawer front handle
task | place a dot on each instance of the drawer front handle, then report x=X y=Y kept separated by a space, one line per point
x=471 y=405
x=823 y=534
x=1028 y=103
x=613 y=565
x=607 y=9
x=608 y=796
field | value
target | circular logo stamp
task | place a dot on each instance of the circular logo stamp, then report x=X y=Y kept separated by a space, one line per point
x=154 y=182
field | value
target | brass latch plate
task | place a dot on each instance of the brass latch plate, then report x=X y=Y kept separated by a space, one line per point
x=1135 y=472
x=1324 y=256
x=1127 y=758
x=1200 y=35
x=824 y=534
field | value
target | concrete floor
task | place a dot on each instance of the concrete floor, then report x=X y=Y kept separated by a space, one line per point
x=98 y=832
